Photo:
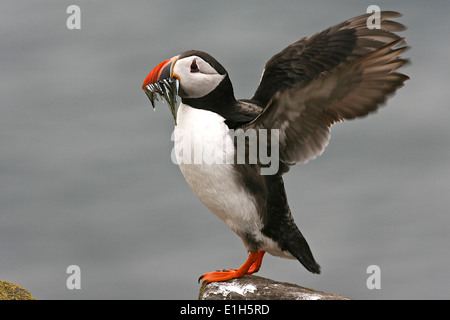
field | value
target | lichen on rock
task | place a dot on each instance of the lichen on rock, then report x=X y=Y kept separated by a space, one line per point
x=12 y=291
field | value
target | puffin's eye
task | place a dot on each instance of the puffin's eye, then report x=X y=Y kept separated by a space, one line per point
x=194 y=66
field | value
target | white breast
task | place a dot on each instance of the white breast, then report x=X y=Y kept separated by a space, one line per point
x=205 y=152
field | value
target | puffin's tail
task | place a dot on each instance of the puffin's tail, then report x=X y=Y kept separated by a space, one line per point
x=280 y=226
x=296 y=244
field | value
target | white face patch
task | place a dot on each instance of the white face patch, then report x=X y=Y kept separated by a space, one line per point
x=197 y=77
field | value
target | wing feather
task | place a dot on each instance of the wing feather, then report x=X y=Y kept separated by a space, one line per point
x=343 y=72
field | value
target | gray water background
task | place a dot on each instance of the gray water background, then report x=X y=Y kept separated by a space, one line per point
x=86 y=176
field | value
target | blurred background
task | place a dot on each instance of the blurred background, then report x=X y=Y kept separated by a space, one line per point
x=86 y=176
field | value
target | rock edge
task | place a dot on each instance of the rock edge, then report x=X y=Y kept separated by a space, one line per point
x=258 y=288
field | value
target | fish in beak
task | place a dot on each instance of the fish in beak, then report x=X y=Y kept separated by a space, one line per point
x=162 y=84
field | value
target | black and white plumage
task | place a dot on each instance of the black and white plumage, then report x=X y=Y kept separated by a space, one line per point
x=344 y=72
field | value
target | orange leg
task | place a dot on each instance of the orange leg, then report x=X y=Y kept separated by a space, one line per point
x=257 y=264
x=252 y=265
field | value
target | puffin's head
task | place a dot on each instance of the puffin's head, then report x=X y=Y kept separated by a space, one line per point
x=191 y=75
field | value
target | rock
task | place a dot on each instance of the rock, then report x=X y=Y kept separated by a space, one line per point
x=12 y=291
x=257 y=288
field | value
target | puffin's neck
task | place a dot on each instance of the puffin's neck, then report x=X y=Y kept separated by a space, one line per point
x=221 y=100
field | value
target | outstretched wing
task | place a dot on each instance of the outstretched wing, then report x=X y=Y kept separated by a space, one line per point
x=343 y=72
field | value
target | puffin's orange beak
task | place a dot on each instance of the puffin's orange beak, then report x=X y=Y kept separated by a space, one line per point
x=161 y=71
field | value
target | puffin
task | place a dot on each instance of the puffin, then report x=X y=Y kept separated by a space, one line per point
x=344 y=72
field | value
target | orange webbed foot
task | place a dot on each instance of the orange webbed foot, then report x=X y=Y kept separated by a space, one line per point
x=251 y=266
x=224 y=275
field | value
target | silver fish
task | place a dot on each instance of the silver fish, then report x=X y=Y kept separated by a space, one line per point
x=166 y=90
